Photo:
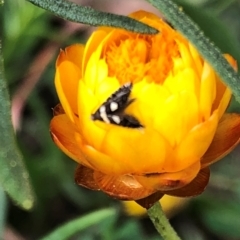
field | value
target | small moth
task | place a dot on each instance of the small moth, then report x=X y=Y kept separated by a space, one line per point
x=112 y=110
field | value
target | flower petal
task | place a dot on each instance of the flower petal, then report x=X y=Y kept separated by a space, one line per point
x=102 y=162
x=195 y=187
x=68 y=75
x=196 y=143
x=74 y=54
x=92 y=44
x=123 y=187
x=170 y=205
x=226 y=138
x=224 y=102
x=84 y=177
x=207 y=90
x=139 y=15
x=140 y=150
x=169 y=181
x=66 y=81
x=177 y=116
x=66 y=137
x=223 y=93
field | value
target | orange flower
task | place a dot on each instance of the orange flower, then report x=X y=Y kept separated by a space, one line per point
x=141 y=114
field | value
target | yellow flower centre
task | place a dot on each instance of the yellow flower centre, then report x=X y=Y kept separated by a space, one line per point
x=139 y=56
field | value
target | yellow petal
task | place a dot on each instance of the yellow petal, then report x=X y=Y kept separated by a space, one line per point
x=224 y=102
x=185 y=80
x=197 y=60
x=96 y=70
x=196 y=143
x=170 y=205
x=207 y=90
x=177 y=116
x=186 y=55
x=87 y=102
x=104 y=163
x=140 y=150
x=92 y=45
x=172 y=115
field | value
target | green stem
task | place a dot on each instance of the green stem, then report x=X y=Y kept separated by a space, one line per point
x=161 y=222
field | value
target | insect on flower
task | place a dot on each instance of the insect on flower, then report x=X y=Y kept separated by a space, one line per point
x=112 y=110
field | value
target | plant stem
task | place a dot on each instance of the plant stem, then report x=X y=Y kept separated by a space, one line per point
x=161 y=222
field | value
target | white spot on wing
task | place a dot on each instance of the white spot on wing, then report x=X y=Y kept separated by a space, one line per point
x=116 y=119
x=102 y=109
x=103 y=114
x=113 y=106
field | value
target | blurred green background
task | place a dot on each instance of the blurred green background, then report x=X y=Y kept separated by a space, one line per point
x=31 y=41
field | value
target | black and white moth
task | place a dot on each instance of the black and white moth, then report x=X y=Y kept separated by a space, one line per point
x=112 y=110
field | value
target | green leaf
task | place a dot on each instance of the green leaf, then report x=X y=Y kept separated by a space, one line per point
x=3 y=210
x=221 y=217
x=14 y=177
x=87 y=15
x=176 y=16
x=69 y=229
x=215 y=29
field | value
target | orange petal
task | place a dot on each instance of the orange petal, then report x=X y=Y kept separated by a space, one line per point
x=74 y=54
x=195 y=187
x=223 y=95
x=66 y=81
x=226 y=138
x=84 y=177
x=66 y=137
x=138 y=15
x=169 y=181
x=69 y=140
x=123 y=187
x=231 y=61
x=150 y=200
x=68 y=65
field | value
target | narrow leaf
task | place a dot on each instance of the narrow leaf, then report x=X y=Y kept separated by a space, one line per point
x=13 y=175
x=69 y=229
x=87 y=15
x=176 y=16
x=3 y=211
